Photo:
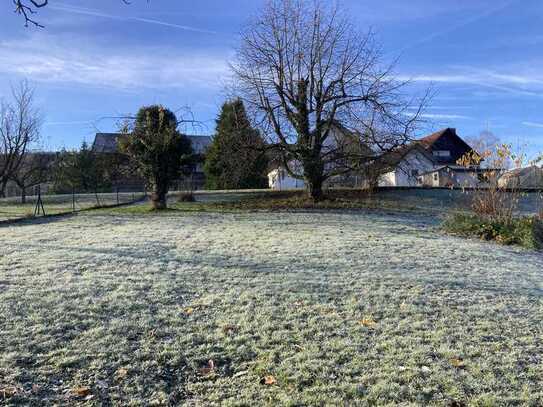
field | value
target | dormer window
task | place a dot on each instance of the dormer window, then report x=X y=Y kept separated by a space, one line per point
x=442 y=153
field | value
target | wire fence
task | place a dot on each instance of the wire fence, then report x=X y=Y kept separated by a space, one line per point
x=43 y=204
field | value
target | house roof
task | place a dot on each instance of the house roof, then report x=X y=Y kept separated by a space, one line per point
x=105 y=142
x=109 y=142
x=446 y=140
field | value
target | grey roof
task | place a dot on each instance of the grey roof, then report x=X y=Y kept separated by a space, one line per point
x=105 y=142
x=200 y=143
x=108 y=142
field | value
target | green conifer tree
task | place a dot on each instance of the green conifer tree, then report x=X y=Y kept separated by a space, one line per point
x=236 y=158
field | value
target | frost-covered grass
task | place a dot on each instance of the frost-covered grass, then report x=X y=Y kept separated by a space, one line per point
x=329 y=308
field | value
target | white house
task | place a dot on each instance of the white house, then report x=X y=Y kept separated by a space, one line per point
x=432 y=162
x=455 y=176
x=408 y=164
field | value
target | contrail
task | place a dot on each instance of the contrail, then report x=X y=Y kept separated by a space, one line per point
x=458 y=26
x=96 y=13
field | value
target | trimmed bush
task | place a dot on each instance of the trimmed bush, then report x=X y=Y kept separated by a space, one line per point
x=525 y=231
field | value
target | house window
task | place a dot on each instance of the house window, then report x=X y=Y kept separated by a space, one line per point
x=442 y=153
x=436 y=177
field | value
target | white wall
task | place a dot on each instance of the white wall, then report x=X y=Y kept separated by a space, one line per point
x=402 y=175
x=280 y=180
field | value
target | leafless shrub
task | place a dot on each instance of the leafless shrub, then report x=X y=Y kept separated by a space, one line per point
x=491 y=199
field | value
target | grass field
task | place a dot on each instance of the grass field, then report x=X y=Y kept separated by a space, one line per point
x=301 y=308
x=12 y=208
x=430 y=201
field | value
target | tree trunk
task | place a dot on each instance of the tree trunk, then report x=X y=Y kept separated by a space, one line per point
x=315 y=188
x=23 y=195
x=159 y=196
x=3 y=186
x=158 y=200
x=314 y=177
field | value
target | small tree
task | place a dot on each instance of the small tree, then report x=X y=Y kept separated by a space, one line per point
x=158 y=150
x=80 y=171
x=33 y=171
x=236 y=158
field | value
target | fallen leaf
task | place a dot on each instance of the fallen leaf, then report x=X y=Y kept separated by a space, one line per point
x=229 y=329
x=268 y=380
x=35 y=388
x=189 y=311
x=204 y=371
x=7 y=392
x=457 y=362
x=368 y=322
x=121 y=373
x=81 y=391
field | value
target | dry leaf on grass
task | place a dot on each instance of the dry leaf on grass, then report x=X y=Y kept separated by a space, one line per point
x=268 y=380
x=207 y=370
x=367 y=322
x=229 y=329
x=121 y=373
x=7 y=392
x=82 y=391
x=458 y=363
x=188 y=311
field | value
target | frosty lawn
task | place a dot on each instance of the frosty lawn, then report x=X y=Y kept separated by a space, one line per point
x=346 y=307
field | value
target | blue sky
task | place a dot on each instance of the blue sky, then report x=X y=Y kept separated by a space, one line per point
x=100 y=58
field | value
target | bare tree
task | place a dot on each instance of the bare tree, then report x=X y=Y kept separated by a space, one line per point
x=19 y=130
x=303 y=68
